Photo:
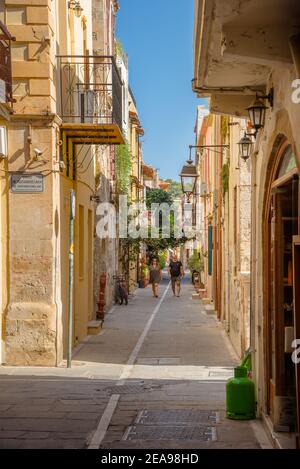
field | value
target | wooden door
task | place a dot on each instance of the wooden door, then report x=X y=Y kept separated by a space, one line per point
x=296 y=262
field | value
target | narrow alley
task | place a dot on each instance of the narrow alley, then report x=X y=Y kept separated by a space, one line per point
x=153 y=378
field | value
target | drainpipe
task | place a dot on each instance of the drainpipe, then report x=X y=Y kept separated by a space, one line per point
x=253 y=344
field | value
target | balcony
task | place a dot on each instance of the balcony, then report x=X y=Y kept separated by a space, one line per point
x=6 y=96
x=91 y=92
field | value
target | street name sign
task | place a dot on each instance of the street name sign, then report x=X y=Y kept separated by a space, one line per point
x=27 y=183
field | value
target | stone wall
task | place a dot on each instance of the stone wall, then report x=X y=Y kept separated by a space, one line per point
x=31 y=316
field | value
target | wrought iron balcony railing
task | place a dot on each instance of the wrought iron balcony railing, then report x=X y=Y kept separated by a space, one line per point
x=91 y=90
x=6 y=96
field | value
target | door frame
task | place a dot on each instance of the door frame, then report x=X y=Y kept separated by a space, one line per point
x=280 y=146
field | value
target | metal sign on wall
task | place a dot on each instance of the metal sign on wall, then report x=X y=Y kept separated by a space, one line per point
x=27 y=183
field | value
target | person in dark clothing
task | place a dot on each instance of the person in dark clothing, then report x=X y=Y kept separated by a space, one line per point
x=176 y=273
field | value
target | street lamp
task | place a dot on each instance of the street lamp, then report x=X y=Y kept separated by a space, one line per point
x=76 y=7
x=257 y=111
x=189 y=176
x=245 y=146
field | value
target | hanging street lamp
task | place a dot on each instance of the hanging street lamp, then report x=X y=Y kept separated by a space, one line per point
x=257 y=111
x=245 y=146
x=189 y=176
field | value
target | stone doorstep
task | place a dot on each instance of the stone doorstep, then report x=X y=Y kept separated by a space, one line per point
x=94 y=327
x=206 y=301
x=279 y=441
x=210 y=309
x=195 y=296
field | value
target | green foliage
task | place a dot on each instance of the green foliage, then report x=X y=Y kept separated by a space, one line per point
x=123 y=168
x=119 y=48
x=163 y=259
x=196 y=262
x=225 y=127
x=175 y=190
x=158 y=196
x=225 y=178
x=145 y=272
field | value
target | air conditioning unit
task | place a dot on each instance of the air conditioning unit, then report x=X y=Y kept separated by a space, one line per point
x=2 y=92
x=3 y=142
x=87 y=106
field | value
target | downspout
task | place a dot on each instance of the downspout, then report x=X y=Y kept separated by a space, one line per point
x=253 y=344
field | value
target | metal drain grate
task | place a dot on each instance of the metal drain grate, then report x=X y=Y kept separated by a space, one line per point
x=130 y=389
x=178 y=417
x=154 y=433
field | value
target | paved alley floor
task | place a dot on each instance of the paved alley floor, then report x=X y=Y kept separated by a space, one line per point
x=153 y=378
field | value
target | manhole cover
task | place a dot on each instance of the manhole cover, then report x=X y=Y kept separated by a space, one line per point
x=153 y=433
x=178 y=417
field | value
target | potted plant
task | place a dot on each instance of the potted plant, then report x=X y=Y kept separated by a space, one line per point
x=196 y=266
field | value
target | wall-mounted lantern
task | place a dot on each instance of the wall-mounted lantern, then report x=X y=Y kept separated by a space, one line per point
x=257 y=111
x=245 y=146
x=76 y=7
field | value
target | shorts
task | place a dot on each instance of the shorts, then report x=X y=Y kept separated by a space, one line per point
x=175 y=280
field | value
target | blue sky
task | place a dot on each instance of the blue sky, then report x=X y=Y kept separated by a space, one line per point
x=158 y=38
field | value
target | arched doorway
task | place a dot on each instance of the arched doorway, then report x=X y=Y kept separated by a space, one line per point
x=281 y=227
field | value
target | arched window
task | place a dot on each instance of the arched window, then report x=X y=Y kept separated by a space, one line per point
x=288 y=162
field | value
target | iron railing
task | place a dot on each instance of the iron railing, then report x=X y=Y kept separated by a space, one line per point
x=6 y=95
x=91 y=90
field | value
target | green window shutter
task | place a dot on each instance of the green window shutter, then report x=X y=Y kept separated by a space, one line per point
x=210 y=250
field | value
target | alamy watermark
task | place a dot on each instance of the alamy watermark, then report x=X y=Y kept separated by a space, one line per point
x=296 y=353
x=296 y=92
x=136 y=221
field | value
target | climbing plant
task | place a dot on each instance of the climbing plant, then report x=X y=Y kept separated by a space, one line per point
x=119 y=51
x=225 y=127
x=123 y=168
x=225 y=178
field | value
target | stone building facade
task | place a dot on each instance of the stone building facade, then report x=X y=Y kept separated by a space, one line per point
x=52 y=136
x=223 y=203
x=242 y=53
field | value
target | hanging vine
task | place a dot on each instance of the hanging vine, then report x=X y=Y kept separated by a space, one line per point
x=225 y=178
x=123 y=168
x=225 y=127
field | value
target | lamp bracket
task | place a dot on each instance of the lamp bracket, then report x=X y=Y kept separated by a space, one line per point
x=269 y=97
x=254 y=134
x=213 y=148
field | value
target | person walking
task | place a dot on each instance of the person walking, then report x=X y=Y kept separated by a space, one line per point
x=155 y=277
x=176 y=273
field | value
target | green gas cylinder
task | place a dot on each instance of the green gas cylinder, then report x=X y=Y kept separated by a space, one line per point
x=240 y=396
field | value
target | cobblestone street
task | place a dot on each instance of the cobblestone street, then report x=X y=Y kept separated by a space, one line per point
x=153 y=378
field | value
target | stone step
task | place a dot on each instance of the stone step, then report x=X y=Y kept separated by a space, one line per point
x=206 y=301
x=210 y=309
x=94 y=327
x=196 y=296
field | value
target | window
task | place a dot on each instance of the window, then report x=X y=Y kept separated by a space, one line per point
x=288 y=162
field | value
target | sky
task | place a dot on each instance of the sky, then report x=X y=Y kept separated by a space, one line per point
x=157 y=35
